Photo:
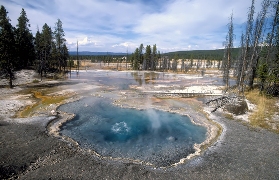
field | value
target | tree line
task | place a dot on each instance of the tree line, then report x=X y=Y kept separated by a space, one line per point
x=259 y=50
x=149 y=58
x=256 y=60
x=19 y=49
x=216 y=54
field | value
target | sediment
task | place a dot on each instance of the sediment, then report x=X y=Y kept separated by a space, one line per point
x=29 y=151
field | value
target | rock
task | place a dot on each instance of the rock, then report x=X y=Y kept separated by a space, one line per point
x=238 y=108
x=53 y=112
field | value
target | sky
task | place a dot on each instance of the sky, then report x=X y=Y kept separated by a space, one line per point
x=122 y=25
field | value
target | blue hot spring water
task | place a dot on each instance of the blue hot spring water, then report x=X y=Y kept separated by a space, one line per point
x=153 y=136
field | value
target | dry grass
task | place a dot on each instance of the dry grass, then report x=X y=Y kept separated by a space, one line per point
x=266 y=108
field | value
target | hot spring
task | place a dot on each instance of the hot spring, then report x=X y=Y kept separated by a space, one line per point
x=152 y=136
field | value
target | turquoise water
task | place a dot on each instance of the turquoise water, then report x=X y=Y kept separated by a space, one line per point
x=153 y=136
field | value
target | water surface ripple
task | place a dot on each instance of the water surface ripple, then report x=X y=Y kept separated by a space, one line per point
x=153 y=136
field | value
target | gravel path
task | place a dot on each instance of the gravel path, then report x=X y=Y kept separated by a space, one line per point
x=241 y=153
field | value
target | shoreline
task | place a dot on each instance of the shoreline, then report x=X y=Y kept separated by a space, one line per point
x=28 y=151
x=214 y=131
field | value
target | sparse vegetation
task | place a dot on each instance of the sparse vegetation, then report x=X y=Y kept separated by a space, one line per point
x=266 y=108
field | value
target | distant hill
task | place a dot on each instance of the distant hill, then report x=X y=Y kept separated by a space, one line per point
x=88 y=53
x=217 y=54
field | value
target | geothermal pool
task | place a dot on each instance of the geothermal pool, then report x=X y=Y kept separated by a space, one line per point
x=151 y=136
x=124 y=80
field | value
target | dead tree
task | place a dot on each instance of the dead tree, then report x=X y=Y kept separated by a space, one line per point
x=239 y=62
x=220 y=102
x=274 y=26
x=255 y=49
x=246 y=49
x=227 y=61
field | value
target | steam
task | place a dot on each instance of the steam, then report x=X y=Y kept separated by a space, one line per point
x=151 y=136
x=153 y=117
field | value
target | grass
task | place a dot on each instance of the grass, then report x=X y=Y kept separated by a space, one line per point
x=262 y=116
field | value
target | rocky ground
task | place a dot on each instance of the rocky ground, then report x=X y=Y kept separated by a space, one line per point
x=28 y=151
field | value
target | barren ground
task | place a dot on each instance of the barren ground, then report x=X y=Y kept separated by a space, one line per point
x=29 y=151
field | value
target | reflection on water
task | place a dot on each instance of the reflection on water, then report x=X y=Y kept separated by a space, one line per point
x=146 y=77
x=149 y=135
x=124 y=80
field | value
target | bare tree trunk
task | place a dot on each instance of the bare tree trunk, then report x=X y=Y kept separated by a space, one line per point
x=227 y=59
x=275 y=20
x=257 y=35
x=10 y=78
x=70 y=68
x=127 y=60
x=246 y=48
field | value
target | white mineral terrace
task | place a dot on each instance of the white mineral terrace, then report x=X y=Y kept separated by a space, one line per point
x=202 y=89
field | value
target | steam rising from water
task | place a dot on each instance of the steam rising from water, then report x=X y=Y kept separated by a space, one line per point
x=152 y=136
x=153 y=117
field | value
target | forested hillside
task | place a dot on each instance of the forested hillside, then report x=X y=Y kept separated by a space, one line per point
x=19 y=49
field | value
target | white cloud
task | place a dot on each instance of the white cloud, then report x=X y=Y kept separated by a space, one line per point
x=109 y=25
x=125 y=44
x=201 y=22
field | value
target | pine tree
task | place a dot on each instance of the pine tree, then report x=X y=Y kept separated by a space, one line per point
x=136 y=59
x=191 y=61
x=154 y=58
x=46 y=40
x=159 y=59
x=59 y=42
x=65 y=56
x=147 y=64
x=38 y=52
x=141 y=56
x=262 y=72
x=182 y=65
x=54 y=63
x=24 y=41
x=7 y=46
x=132 y=61
x=174 y=63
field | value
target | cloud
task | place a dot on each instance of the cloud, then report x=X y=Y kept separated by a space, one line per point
x=115 y=25
x=200 y=22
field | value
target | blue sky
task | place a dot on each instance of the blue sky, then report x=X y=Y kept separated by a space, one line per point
x=121 y=25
